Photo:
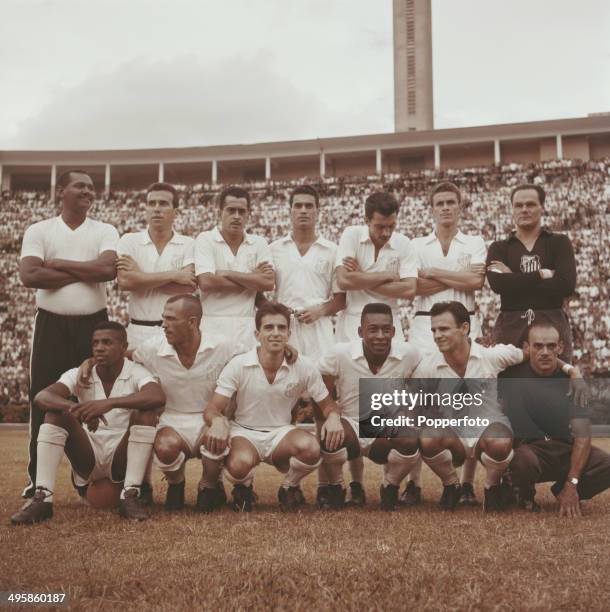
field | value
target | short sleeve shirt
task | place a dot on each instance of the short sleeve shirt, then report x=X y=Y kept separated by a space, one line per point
x=213 y=253
x=395 y=256
x=303 y=281
x=187 y=390
x=53 y=239
x=347 y=363
x=147 y=305
x=463 y=252
x=262 y=405
x=132 y=378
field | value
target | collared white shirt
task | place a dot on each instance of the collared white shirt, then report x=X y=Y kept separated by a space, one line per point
x=53 y=239
x=147 y=305
x=395 y=256
x=304 y=281
x=261 y=404
x=131 y=380
x=463 y=251
x=213 y=253
x=187 y=390
x=347 y=363
x=483 y=362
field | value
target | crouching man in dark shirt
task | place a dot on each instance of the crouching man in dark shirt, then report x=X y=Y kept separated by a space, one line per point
x=552 y=433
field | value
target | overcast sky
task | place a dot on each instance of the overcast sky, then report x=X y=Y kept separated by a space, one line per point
x=153 y=73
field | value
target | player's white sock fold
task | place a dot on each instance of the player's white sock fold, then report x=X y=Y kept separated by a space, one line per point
x=51 y=446
x=297 y=471
x=334 y=465
x=415 y=473
x=494 y=469
x=356 y=468
x=398 y=466
x=246 y=480
x=468 y=470
x=323 y=477
x=139 y=450
x=174 y=471
x=442 y=466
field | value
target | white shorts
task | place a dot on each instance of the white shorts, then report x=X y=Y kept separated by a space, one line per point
x=365 y=443
x=104 y=445
x=138 y=334
x=265 y=442
x=348 y=324
x=470 y=436
x=235 y=329
x=420 y=334
x=312 y=339
x=190 y=426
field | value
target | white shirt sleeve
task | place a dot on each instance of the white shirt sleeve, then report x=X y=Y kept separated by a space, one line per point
x=33 y=242
x=315 y=385
x=328 y=364
x=263 y=252
x=204 y=255
x=505 y=355
x=70 y=380
x=230 y=378
x=189 y=252
x=142 y=376
x=479 y=254
x=408 y=261
x=109 y=238
x=125 y=245
x=145 y=353
x=348 y=245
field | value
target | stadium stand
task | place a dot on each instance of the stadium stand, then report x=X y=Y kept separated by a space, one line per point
x=578 y=203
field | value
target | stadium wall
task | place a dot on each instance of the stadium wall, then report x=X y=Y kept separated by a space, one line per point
x=582 y=138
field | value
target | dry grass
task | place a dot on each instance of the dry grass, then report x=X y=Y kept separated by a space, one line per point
x=358 y=559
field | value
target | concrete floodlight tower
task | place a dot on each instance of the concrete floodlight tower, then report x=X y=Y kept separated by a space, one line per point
x=413 y=93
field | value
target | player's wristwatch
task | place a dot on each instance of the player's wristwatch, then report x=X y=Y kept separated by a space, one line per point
x=572 y=480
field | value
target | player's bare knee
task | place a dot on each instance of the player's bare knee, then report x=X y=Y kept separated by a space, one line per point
x=498 y=448
x=166 y=449
x=431 y=445
x=61 y=419
x=405 y=446
x=239 y=465
x=306 y=448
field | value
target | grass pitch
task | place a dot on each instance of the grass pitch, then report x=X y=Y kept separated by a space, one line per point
x=366 y=559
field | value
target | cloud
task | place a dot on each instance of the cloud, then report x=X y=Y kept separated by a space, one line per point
x=181 y=102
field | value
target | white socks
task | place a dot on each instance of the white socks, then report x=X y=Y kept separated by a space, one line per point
x=468 y=470
x=495 y=469
x=139 y=450
x=356 y=468
x=415 y=473
x=297 y=471
x=174 y=471
x=442 y=466
x=246 y=480
x=51 y=445
x=398 y=466
x=333 y=462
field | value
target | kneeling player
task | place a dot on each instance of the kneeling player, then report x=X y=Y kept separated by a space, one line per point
x=120 y=411
x=376 y=355
x=267 y=388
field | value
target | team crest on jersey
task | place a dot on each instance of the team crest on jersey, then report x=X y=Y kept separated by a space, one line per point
x=293 y=390
x=464 y=260
x=392 y=265
x=530 y=263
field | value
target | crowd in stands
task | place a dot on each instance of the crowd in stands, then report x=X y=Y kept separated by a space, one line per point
x=578 y=203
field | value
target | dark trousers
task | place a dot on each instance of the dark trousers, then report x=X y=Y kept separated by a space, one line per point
x=511 y=328
x=60 y=342
x=549 y=461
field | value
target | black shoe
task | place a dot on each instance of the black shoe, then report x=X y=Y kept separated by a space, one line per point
x=357 y=498
x=288 y=498
x=131 y=506
x=207 y=500
x=336 y=496
x=468 y=498
x=323 y=497
x=493 y=499
x=389 y=497
x=450 y=497
x=411 y=496
x=174 y=499
x=300 y=498
x=243 y=498
x=35 y=510
x=221 y=495
x=525 y=499
x=146 y=494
